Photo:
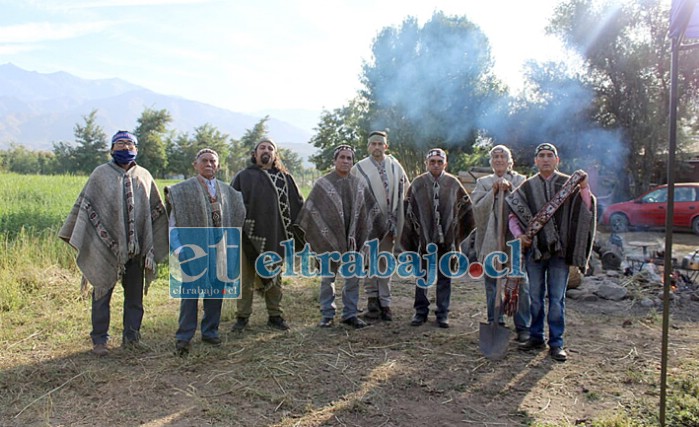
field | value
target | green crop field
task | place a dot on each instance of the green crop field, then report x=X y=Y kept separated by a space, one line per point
x=387 y=374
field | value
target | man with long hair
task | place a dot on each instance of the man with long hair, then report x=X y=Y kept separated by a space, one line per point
x=272 y=203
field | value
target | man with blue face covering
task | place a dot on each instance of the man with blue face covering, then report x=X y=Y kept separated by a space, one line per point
x=119 y=227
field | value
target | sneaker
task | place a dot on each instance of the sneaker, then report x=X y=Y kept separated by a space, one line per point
x=240 y=324
x=558 y=354
x=326 y=322
x=215 y=341
x=355 y=322
x=386 y=314
x=182 y=347
x=418 y=319
x=278 y=322
x=100 y=350
x=531 y=344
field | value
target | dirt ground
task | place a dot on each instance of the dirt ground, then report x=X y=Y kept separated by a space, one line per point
x=389 y=374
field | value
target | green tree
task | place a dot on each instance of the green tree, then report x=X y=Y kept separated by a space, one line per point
x=240 y=150
x=627 y=54
x=344 y=125
x=91 y=150
x=433 y=86
x=20 y=160
x=180 y=153
x=151 y=133
x=291 y=160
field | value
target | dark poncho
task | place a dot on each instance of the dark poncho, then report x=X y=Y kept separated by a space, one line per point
x=264 y=228
x=340 y=215
x=455 y=210
x=570 y=233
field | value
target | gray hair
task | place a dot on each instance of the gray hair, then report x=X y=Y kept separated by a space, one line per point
x=504 y=149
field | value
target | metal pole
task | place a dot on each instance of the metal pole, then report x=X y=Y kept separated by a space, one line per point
x=667 y=263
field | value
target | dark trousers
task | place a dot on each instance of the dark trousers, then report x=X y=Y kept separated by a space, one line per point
x=422 y=303
x=188 y=318
x=132 y=282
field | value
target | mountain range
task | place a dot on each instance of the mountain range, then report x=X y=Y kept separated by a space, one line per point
x=38 y=109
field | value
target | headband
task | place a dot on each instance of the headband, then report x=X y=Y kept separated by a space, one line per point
x=546 y=146
x=436 y=152
x=124 y=135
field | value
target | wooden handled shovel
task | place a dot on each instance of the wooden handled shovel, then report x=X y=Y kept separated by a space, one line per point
x=493 y=337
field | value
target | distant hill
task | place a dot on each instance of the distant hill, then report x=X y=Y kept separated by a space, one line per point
x=38 y=109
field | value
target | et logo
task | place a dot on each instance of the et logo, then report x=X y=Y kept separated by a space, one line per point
x=205 y=262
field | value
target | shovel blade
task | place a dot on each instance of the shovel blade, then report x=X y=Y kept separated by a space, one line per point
x=493 y=340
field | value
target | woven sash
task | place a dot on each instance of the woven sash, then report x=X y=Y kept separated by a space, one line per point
x=535 y=225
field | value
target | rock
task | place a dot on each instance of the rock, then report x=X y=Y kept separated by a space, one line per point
x=647 y=302
x=611 y=291
x=589 y=297
x=575 y=293
x=613 y=273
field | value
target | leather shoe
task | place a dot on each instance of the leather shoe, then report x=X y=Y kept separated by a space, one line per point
x=531 y=344
x=278 y=322
x=100 y=350
x=522 y=336
x=418 y=320
x=240 y=324
x=211 y=340
x=326 y=322
x=182 y=347
x=558 y=354
x=386 y=314
x=355 y=322
x=443 y=323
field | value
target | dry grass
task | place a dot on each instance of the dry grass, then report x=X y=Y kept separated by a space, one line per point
x=389 y=374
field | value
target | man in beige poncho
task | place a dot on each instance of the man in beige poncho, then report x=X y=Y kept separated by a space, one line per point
x=387 y=181
x=488 y=189
x=119 y=227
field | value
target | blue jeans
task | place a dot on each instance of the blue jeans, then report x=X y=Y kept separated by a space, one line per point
x=548 y=276
x=422 y=303
x=350 y=297
x=188 y=318
x=132 y=281
x=523 y=316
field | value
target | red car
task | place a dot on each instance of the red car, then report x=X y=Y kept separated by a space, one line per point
x=649 y=209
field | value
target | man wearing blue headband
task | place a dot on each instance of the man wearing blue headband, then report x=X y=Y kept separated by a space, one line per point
x=119 y=227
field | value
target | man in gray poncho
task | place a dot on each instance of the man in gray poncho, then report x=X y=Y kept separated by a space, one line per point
x=118 y=226
x=272 y=203
x=438 y=211
x=202 y=201
x=488 y=189
x=340 y=216
x=565 y=240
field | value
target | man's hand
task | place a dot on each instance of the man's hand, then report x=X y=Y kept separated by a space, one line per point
x=584 y=183
x=526 y=241
x=501 y=184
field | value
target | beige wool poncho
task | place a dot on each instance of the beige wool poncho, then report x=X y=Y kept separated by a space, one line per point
x=118 y=216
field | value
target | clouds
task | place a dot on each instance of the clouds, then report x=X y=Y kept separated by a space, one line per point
x=36 y=32
x=241 y=55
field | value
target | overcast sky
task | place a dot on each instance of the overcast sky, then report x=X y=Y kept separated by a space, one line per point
x=248 y=55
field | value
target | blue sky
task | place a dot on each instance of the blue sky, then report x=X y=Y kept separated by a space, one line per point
x=245 y=55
